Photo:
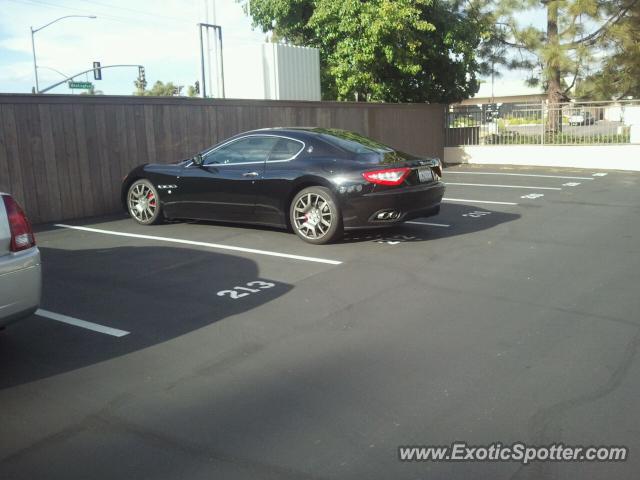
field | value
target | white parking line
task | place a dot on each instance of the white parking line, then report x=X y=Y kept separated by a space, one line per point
x=114 y=332
x=443 y=225
x=476 y=201
x=503 y=186
x=429 y=224
x=451 y=172
x=202 y=244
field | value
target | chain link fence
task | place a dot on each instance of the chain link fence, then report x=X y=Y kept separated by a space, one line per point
x=575 y=123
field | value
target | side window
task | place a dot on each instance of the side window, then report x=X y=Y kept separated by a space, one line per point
x=285 y=149
x=244 y=150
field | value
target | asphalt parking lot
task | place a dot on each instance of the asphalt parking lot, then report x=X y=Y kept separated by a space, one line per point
x=218 y=351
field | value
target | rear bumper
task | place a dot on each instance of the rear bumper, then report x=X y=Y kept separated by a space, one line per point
x=403 y=204
x=20 y=285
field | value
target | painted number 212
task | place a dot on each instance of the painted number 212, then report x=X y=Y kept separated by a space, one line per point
x=239 y=292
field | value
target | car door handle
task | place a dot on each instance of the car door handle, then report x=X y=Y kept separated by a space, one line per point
x=250 y=174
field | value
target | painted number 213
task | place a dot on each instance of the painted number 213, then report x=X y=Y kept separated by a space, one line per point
x=239 y=292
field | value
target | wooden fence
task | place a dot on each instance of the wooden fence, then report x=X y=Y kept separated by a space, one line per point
x=64 y=156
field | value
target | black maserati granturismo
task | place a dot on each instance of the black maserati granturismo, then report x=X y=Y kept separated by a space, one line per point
x=317 y=181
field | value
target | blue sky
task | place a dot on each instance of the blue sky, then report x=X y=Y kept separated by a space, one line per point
x=162 y=35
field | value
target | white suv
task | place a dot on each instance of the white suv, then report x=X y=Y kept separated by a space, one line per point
x=20 y=273
x=581 y=118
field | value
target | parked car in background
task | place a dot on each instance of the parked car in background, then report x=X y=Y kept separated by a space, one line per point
x=317 y=181
x=582 y=118
x=20 y=272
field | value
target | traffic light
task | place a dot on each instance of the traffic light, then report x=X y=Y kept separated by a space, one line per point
x=142 y=81
x=97 y=71
x=197 y=87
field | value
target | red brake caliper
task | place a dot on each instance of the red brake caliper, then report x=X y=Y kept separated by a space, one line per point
x=152 y=199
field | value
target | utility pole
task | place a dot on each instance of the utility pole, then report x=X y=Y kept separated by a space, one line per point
x=202 y=71
x=211 y=57
x=217 y=29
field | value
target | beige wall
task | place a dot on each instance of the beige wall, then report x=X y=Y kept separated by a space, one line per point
x=610 y=157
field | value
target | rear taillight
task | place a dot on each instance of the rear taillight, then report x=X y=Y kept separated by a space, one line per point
x=22 y=236
x=388 y=176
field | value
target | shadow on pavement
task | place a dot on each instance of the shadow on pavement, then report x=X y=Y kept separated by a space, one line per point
x=155 y=293
x=462 y=218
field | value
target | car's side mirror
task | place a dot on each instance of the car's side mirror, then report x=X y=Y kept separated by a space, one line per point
x=198 y=160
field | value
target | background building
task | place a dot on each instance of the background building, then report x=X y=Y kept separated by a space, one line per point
x=272 y=71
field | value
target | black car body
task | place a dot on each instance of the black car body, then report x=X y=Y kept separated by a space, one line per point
x=253 y=178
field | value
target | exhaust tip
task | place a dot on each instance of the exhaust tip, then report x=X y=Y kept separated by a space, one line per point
x=387 y=215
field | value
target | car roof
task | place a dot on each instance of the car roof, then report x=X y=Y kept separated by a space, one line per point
x=293 y=132
x=308 y=133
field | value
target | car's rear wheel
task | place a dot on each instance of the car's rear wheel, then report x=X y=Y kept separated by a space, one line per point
x=143 y=203
x=315 y=216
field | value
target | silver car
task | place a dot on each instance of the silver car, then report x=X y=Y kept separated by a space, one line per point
x=20 y=273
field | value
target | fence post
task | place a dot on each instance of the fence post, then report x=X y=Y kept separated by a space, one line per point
x=445 y=126
x=542 y=123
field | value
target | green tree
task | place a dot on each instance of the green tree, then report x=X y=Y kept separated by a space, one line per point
x=383 y=50
x=141 y=86
x=92 y=91
x=492 y=51
x=159 y=89
x=619 y=75
x=559 y=53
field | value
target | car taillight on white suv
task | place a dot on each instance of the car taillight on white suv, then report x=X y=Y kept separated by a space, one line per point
x=22 y=237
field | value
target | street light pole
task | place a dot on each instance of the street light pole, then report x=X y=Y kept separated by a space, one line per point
x=71 y=77
x=33 y=43
x=35 y=66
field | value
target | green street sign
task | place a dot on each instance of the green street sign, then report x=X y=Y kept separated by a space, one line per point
x=84 y=85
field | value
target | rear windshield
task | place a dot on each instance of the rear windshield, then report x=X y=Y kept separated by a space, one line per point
x=351 y=142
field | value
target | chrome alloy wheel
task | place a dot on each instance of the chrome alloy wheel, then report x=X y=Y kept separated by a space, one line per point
x=312 y=216
x=142 y=203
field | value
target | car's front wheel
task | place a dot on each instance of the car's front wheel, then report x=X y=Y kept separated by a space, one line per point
x=143 y=203
x=315 y=216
